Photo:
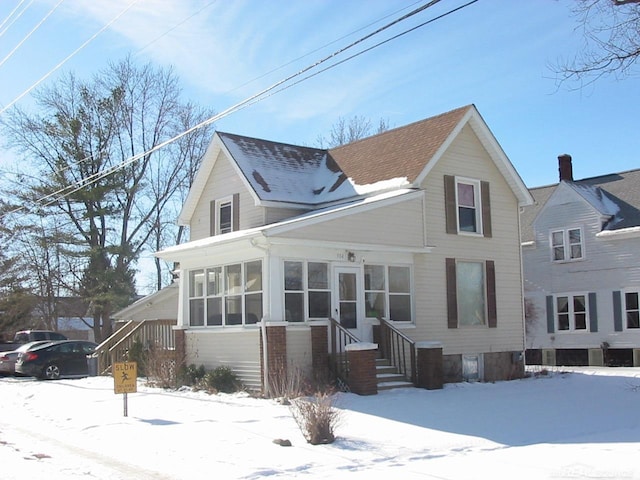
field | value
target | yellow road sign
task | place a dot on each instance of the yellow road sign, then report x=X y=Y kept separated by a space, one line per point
x=125 y=377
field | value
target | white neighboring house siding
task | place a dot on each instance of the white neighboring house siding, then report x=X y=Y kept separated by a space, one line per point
x=466 y=157
x=224 y=182
x=608 y=265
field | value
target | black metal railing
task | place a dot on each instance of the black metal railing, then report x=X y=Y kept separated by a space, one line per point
x=340 y=337
x=399 y=349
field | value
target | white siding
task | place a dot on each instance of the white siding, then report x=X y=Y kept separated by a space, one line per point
x=224 y=181
x=239 y=350
x=400 y=224
x=466 y=157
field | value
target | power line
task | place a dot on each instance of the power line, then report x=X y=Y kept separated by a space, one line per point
x=84 y=182
x=16 y=17
x=72 y=54
x=30 y=33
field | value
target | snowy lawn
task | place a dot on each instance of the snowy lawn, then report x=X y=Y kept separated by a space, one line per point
x=582 y=424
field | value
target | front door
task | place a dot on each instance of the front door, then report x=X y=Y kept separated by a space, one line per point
x=349 y=301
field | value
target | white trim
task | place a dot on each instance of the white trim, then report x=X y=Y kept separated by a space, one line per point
x=571 y=313
x=620 y=234
x=566 y=245
x=477 y=198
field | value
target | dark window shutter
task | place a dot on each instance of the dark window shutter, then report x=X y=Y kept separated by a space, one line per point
x=452 y=294
x=485 y=198
x=617 y=311
x=551 y=319
x=492 y=315
x=212 y=218
x=593 y=312
x=235 y=207
x=450 y=214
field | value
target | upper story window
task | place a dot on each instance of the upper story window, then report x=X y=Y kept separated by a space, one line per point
x=467 y=206
x=387 y=291
x=226 y=295
x=224 y=214
x=567 y=245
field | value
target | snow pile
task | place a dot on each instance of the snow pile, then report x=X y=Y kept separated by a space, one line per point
x=563 y=425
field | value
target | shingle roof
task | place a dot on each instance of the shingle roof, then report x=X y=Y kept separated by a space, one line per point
x=295 y=174
x=623 y=189
x=401 y=152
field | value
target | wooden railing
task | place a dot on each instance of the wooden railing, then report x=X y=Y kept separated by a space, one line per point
x=340 y=337
x=399 y=349
x=150 y=333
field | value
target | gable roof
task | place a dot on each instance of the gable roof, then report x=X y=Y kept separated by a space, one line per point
x=616 y=195
x=312 y=178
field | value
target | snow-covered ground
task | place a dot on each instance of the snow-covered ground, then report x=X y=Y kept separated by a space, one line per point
x=582 y=424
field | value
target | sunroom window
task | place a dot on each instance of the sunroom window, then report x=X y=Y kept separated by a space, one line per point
x=307 y=291
x=226 y=295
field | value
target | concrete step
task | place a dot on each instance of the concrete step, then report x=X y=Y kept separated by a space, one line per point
x=388 y=377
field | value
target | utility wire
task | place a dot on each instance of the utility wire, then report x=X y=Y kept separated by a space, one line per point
x=72 y=54
x=91 y=179
x=175 y=26
x=16 y=17
x=30 y=33
x=56 y=196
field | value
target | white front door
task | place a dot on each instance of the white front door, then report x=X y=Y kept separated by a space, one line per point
x=348 y=305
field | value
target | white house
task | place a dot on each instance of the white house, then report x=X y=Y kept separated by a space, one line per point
x=581 y=250
x=416 y=228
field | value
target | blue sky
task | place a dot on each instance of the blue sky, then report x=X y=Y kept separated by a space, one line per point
x=495 y=53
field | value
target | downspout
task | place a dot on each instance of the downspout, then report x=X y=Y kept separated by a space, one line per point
x=522 y=306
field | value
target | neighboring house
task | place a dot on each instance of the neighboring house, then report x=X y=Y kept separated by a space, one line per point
x=162 y=304
x=418 y=225
x=581 y=244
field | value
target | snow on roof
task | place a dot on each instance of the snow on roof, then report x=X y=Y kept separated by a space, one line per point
x=596 y=197
x=291 y=173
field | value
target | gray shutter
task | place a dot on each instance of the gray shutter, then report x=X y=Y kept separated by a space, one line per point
x=212 y=218
x=617 y=311
x=485 y=198
x=450 y=204
x=492 y=314
x=551 y=319
x=593 y=312
x=452 y=294
x=235 y=207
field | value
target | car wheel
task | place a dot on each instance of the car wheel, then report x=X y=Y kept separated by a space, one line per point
x=51 y=372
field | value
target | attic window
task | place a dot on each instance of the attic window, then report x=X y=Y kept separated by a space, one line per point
x=225 y=215
x=567 y=245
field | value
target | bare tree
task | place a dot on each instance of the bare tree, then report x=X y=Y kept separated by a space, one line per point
x=349 y=130
x=102 y=207
x=611 y=30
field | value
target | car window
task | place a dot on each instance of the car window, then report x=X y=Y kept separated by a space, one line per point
x=38 y=336
x=64 y=348
x=57 y=336
x=88 y=348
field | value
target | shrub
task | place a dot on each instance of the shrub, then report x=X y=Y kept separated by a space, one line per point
x=222 y=379
x=317 y=417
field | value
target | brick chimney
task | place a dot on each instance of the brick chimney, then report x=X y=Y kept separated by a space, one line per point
x=565 y=168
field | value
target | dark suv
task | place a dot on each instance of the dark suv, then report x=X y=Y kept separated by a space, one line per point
x=25 y=336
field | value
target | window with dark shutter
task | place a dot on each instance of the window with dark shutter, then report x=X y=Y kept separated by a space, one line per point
x=617 y=311
x=212 y=218
x=551 y=318
x=492 y=313
x=467 y=206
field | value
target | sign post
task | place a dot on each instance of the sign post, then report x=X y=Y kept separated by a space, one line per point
x=125 y=380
